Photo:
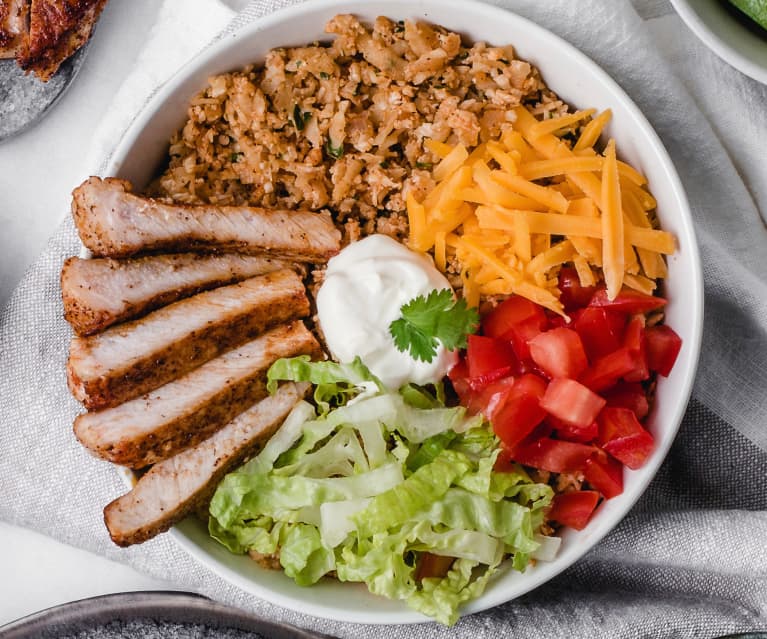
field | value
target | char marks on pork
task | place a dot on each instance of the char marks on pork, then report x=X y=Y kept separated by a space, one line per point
x=128 y=360
x=57 y=28
x=98 y=293
x=186 y=411
x=181 y=484
x=113 y=222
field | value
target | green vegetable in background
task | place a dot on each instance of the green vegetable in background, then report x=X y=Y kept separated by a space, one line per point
x=754 y=9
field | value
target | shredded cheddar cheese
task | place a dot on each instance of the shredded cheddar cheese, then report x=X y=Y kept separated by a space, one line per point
x=593 y=130
x=613 y=247
x=555 y=124
x=512 y=211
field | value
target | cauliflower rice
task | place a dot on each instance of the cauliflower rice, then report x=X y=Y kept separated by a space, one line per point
x=340 y=126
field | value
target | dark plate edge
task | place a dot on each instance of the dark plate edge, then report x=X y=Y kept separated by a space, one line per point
x=171 y=606
x=74 y=63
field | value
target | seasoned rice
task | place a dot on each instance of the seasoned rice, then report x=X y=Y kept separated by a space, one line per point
x=341 y=126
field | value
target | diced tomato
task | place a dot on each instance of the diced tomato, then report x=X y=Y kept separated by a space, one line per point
x=628 y=301
x=510 y=313
x=615 y=423
x=459 y=377
x=541 y=431
x=574 y=509
x=519 y=337
x=605 y=474
x=607 y=370
x=486 y=356
x=556 y=321
x=573 y=295
x=600 y=329
x=559 y=352
x=621 y=435
x=572 y=402
x=628 y=395
x=554 y=455
x=480 y=382
x=571 y=433
x=632 y=451
x=431 y=565
x=663 y=346
x=521 y=412
x=490 y=398
x=634 y=340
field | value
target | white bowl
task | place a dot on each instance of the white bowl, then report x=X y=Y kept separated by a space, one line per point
x=579 y=81
x=716 y=27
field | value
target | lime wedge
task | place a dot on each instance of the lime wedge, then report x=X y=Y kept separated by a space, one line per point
x=754 y=9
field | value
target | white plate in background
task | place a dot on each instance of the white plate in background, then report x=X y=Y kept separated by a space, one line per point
x=714 y=23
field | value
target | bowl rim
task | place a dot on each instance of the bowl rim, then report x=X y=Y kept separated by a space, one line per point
x=717 y=44
x=482 y=11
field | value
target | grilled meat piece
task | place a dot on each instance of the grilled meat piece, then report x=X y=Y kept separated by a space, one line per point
x=57 y=28
x=186 y=411
x=100 y=292
x=131 y=359
x=112 y=222
x=13 y=26
x=176 y=487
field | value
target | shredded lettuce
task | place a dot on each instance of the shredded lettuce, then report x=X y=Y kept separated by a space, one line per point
x=423 y=397
x=334 y=384
x=371 y=479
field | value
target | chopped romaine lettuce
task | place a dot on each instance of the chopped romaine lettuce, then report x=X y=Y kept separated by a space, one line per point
x=375 y=479
x=334 y=384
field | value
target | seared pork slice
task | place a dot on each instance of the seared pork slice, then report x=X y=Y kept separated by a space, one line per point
x=130 y=359
x=13 y=26
x=100 y=292
x=112 y=222
x=186 y=411
x=57 y=28
x=176 y=487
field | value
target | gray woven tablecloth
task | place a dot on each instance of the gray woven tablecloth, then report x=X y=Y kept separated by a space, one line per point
x=690 y=560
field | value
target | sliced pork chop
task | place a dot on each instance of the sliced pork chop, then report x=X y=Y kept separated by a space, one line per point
x=184 y=412
x=100 y=292
x=176 y=487
x=112 y=222
x=57 y=28
x=130 y=359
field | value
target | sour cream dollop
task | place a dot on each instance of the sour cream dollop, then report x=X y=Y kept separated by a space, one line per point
x=365 y=287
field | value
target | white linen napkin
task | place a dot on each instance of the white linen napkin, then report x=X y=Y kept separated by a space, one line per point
x=182 y=28
x=690 y=559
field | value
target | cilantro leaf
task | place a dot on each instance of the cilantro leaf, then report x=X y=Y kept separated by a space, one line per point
x=407 y=337
x=435 y=318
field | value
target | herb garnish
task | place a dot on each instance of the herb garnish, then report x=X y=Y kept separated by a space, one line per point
x=334 y=151
x=300 y=118
x=428 y=320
